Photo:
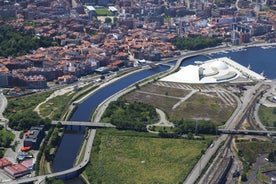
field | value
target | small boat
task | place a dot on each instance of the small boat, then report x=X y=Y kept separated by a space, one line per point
x=262 y=74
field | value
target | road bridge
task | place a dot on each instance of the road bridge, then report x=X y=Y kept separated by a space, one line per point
x=248 y=132
x=88 y=124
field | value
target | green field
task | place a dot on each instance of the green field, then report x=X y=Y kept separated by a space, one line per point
x=103 y=12
x=249 y=150
x=54 y=108
x=25 y=103
x=268 y=115
x=133 y=157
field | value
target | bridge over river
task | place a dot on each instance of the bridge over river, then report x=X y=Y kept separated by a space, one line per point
x=88 y=124
x=221 y=131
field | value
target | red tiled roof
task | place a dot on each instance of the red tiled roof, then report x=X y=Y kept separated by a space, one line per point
x=4 y=162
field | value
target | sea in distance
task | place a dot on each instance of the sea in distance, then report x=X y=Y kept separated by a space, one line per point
x=260 y=59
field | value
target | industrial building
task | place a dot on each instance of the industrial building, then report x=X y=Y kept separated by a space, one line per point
x=17 y=170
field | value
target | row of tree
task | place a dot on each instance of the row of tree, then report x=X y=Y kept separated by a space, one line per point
x=190 y=128
x=130 y=115
x=53 y=143
x=185 y=126
x=15 y=42
x=195 y=43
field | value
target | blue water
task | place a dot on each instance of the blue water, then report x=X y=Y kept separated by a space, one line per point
x=84 y=110
x=71 y=142
x=260 y=60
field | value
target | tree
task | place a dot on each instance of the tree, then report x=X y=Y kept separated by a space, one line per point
x=15 y=42
x=59 y=125
x=107 y=20
x=272 y=156
x=137 y=86
x=244 y=177
x=190 y=136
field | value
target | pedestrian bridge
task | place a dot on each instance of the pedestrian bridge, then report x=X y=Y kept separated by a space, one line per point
x=88 y=124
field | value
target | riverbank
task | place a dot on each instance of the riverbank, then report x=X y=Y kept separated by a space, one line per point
x=103 y=103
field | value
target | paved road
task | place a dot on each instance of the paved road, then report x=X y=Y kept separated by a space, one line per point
x=3 y=104
x=243 y=104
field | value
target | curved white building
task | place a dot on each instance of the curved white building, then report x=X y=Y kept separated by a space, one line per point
x=212 y=71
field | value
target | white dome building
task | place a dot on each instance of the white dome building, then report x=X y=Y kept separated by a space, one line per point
x=219 y=65
x=212 y=71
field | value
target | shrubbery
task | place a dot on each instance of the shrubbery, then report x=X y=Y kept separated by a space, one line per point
x=16 y=43
x=195 y=43
x=131 y=116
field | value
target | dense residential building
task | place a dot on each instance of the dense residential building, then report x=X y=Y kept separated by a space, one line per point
x=135 y=29
x=34 y=137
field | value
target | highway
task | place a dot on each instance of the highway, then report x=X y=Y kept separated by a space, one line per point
x=246 y=101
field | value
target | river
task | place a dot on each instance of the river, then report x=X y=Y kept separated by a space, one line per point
x=71 y=141
x=260 y=60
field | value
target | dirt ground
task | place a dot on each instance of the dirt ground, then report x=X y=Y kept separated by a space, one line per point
x=206 y=101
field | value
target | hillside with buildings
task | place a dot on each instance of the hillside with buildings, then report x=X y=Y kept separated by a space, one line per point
x=103 y=36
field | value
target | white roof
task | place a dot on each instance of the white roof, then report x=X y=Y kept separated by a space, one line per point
x=90 y=8
x=112 y=8
x=219 y=65
x=189 y=74
x=212 y=71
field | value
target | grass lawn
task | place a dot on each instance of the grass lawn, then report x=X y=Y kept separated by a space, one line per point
x=268 y=115
x=133 y=157
x=55 y=107
x=24 y=103
x=103 y=12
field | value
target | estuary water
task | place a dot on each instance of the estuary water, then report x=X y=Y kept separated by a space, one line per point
x=259 y=59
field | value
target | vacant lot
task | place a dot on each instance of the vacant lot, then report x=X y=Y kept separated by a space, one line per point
x=205 y=104
x=132 y=157
x=268 y=116
x=249 y=150
x=54 y=108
